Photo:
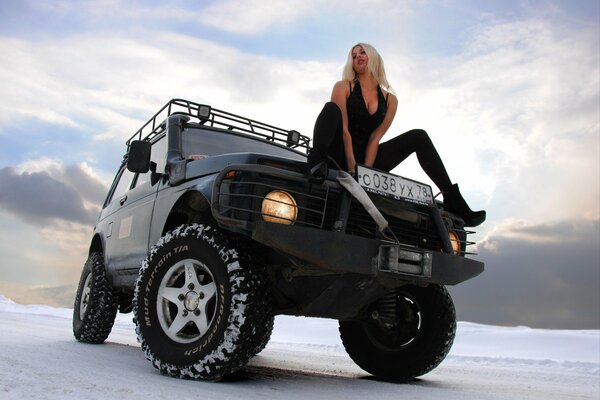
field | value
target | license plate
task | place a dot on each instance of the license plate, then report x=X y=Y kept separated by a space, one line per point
x=397 y=187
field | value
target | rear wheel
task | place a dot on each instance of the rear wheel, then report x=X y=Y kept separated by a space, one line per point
x=201 y=308
x=96 y=303
x=405 y=334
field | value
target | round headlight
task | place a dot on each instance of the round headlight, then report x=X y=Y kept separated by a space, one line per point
x=455 y=242
x=279 y=207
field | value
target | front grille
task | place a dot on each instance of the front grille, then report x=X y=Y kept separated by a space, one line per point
x=319 y=206
x=421 y=233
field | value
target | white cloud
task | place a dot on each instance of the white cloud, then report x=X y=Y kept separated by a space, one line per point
x=536 y=274
x=562 y=233
x=240 y=17
x=251 y=17
x=45 y=193
x=117 y=82
x=90 y=184
x=515 y=117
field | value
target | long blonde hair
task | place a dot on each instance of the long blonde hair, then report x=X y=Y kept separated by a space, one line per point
x=375 y=66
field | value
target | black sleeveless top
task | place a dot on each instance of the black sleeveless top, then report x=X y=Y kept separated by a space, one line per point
x=360 y=123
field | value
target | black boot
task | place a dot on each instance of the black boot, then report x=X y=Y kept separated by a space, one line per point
x=455 y=203
x=319 y=171
x=317 y=164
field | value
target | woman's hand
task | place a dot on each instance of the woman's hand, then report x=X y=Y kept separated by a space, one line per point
x=351 y=166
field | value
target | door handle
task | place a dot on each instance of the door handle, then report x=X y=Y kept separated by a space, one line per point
x=123 y=200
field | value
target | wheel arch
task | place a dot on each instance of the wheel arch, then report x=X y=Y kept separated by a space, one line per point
x=97 y=245
x=193 y=206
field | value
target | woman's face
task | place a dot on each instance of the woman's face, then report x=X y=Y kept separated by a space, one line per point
x=360 y=60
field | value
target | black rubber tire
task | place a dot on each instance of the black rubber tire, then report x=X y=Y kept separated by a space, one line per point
x=415 y=343
x=269 y=322
x=236 y=310
x=267 y=318
x=96 y=303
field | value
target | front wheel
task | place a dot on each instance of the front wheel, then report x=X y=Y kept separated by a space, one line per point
x=405 y=334
x=201 y=308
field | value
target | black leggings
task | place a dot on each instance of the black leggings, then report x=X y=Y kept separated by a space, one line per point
x=328 y=141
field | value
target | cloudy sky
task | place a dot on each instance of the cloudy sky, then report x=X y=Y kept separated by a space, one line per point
x=508 y=90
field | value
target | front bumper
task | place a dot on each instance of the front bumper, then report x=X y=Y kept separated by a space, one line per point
x=341 y=253
x=331 y=249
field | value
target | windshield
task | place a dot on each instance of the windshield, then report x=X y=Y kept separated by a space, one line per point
x=211 y=143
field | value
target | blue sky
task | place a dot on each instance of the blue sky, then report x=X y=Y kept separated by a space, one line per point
x=509 y=91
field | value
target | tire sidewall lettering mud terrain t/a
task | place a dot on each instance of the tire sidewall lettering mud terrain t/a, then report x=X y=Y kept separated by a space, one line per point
x=237 y=317
x=148 y=317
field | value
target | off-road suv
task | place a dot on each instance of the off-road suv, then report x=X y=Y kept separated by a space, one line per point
x=214 y=224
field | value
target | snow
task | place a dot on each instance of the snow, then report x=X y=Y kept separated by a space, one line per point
x=39 y=358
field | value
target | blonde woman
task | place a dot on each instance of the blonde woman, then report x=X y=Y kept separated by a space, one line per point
x=350 y=127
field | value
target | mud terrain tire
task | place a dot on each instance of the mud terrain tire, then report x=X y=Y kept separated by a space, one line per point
x=96 y=303
x=201 y=308
x=404 y=335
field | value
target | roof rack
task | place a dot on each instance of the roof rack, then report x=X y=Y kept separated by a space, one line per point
x=206 y=115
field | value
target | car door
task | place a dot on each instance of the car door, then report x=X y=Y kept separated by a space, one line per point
x=131 y=216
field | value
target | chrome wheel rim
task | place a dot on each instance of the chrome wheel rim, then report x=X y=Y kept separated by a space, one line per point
x=186 y=301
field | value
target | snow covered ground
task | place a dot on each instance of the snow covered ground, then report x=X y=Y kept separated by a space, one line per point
x=39 y=358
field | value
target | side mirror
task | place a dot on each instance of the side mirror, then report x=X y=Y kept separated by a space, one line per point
x=138 y=159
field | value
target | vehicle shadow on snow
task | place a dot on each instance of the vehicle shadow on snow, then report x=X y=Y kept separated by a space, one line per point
x=253 y=373
x=297 y=380
x=413 y=382
x=257 y=371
